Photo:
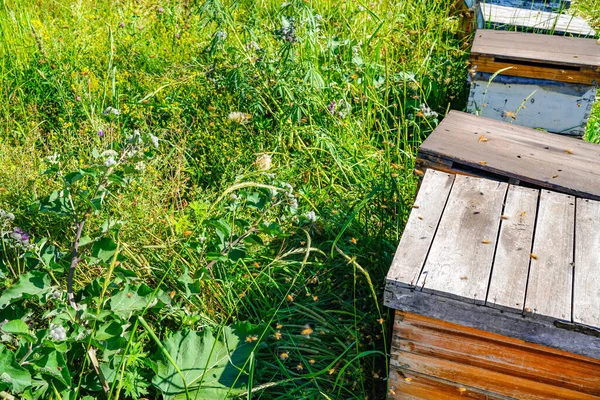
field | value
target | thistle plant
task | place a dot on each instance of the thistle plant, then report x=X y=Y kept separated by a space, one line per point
x=84 y=191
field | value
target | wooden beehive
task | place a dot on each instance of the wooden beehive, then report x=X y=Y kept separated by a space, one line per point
x=538 y=81
x=497 y=291
x=496 y=280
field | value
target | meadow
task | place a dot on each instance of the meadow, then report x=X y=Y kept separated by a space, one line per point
x=201 y=199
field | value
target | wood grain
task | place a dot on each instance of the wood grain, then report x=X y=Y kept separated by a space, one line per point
x=584 y=75
x=482 y=378
x=460 y=258
x=544 y=160
x=409 y=385
x=586 y=287
x=420 y=228
x=532 y=19
x=467 y=346
x=549 y=289
x=511 y=262
x=578 y=340
x=546 y=49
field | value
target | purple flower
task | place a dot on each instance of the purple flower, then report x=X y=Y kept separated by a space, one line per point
x=122 y=25
x=78 y=98
x=101 y=133
x=177 y=35
x=20 y=235
x=161 y=10
x=331 y=107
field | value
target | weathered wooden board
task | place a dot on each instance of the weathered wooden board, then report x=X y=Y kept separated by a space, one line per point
x=420 y=228
x=409 y=385
x=496 y=16
x=507 y=150
x=534 y=70
x=511 y=262
x=542 y=49
x=586 y=288
x=430 y=337
x=495 y=382
x=435 y=352
x=460 y=258
x=534 y=103
x=549 y=289
x=568 y=337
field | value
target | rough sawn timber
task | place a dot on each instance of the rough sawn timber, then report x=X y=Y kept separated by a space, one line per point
x=436 y=355
x=506 y=151
x=421 y=227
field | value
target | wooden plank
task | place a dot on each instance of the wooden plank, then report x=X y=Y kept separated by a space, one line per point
x=550 y=285
x=494 y=15
x=511 y=262
x=460 y=259
x=586 y=288
x=580 y=341
x=550 y=161
x=420 y=228
x=464 y=345
x=545 y=49
x=577 y=75
x=484 y=379
x=409 y=385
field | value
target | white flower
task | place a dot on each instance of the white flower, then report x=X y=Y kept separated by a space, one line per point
x=310 y=216
x=136 y=138
x=263 y=162
x=53 y=159
x=6 y=215
x=293 y=204
x=239 y=117
x=112 y=110
x=57 y=332
x=154 y=140
x=221 y=35
x=109 y=153
x=427 y=112
x=109 y=162
x=131 y=153
x=140 y=166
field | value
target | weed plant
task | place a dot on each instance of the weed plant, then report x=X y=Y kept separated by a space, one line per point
x=241 y=250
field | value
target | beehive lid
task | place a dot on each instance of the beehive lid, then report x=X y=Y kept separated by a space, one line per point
x=520 y=262
x=545 y=49
x=494 y=15
x=527 y=55
x=485 y=146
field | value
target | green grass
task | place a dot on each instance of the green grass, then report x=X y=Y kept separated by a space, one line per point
x=177 y=69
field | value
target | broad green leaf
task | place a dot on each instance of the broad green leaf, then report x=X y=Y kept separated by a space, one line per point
x=29 y=285
x=211 y=366
x=104 y=249
x=191 y=285
x=19 y=328
x=52 y=363
x=109 y=330
x=73 y=177
x=132 y=299
x=12 y=375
